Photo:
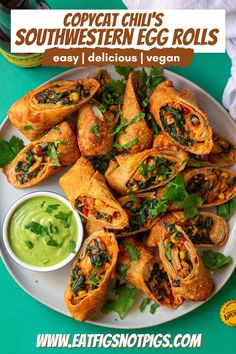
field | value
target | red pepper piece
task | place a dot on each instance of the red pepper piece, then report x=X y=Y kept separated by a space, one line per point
x=186 y=110
x=41 y=152
x=85 y=211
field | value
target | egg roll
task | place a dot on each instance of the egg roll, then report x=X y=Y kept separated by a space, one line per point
x=205 y=229
x=43 y=108
x=143 y=171
x=214 y=185
x=179 y=116
x=139 y=213
x=163 y=143
x=88 y=193
x=94 y=130
x=92 y=269
x=146 y=272
x=223 y=153
x=187 y=274
x=43 y=157
x=138 y=130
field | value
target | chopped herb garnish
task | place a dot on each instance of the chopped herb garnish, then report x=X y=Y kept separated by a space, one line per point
x=9 y=150
x=153 y=308
x=72 y=246
x=43 y=203
x=122 y=270
x=144 y=304
x=226 y=210
x=124 y=301
x=215 y=260
x=28 y=127
x=124 y=123
x=95 y=130
x=41 y=231
x=134 y=253
x=126 y=146
x=56 y=128
x=29 y=244
x=52 y=207
x=65 y=217
x=52 y=153
x=131 y=196
x=123 y=71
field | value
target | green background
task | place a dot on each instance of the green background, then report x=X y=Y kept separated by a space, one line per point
x=22 y=317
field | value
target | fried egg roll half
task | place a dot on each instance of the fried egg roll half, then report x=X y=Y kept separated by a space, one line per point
x=88 y=193
x=43 y=108
x=205 y=229
x=222 y=154
x=178 y=115
x=214 y=185
x=93 y=130
x=146 y=273
x=137 y=130
x=93 y=267
x=143 y=171
x=164 y=144
x=139 y=211
x=43 y=157
x=184 y=266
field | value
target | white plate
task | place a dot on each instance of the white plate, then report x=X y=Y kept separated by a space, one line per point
x=48 y=288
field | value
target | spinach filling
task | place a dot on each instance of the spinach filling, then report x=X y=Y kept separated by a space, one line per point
x=101 y=163
x=176 y=127
x=199 y=185
x=154 y=282
x=77 y=280
x=51 y=96
x=159 y=170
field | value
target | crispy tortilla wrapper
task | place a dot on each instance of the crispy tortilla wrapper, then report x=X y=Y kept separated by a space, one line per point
x=43 y=157
x=146 y=273
x=33 y=118
x=92 y=226
x=163 y=144
x=88 y=193
x=131 y=109
x=205 y=229
x=130 y=171
x=179 y=116
x=223 y=153
x=92 y=269
x=187 y=274
x=93 y=130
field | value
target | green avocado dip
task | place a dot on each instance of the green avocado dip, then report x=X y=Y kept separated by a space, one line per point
x=42 y=231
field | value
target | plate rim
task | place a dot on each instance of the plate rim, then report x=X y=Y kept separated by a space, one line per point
x=117 y=325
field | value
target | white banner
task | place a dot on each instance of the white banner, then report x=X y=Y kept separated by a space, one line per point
x=33 y=31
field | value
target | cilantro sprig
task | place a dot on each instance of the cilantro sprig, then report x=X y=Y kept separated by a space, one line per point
x=9 y=150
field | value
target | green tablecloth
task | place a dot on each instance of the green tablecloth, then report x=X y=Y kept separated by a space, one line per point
x=22 y=317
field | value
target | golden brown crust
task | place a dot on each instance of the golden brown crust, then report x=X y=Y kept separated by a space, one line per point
x=198 y=284
x=201 y=134
x=222 y=154
x=130 y=110
x=122 y=169
x=67 y=152
x=140 y=270
x=42 y=117
x=217 y=233
x=94 y=130
x=83 y=307
x=83 y=181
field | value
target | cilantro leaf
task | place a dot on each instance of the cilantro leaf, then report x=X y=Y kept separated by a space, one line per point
x=134 y=253
x=72 y=246
x=28 y=127
x=123 y=302
x=29 y=244
x=189 y=204
x=41 y=231
x=226 y=210
x=144 y=304
x=52 y=207
x=9 y=150
x=168 y=251
x=66 y=217
x=215 y=260
x=124 y=71
x=126 y=146
x=131 y=196
x=52 y=153
x=95 y=130
x=122 y=270
x=153 y=308
x=124 y=123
